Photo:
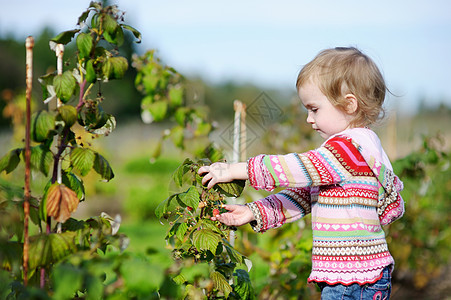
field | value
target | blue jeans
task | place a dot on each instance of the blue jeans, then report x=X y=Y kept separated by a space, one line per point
x=380 y=290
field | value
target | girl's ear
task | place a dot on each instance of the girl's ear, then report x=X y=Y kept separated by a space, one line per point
x=352 y=104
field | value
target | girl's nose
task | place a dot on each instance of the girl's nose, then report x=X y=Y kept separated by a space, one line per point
x=310 y=119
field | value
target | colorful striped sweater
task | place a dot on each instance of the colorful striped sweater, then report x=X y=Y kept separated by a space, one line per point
x=349 y=188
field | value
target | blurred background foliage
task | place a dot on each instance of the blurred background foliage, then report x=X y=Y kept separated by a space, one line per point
x=419 y=145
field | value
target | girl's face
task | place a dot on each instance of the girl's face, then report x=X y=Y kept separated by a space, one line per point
x=324 y=117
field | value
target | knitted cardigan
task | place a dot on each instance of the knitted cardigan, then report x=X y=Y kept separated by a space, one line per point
x=350 y=191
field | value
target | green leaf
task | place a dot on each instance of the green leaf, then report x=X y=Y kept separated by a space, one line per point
x=179 y=279
x=190 y=197
x=234 y=255
x=41 y=158
x=109 y=24
x=178 y=174
x=220 y=283
x=102 y=167
x=243 y=285
x=203 y=129
x=83 y=160
x=42 y=124
x=177 y=136
x=10 y=161
x=135 y=32
x=107 y=128
x=84 y=44
x=158 y=110
x=180 y=115
x=74 y=183
x=116 y=37
x=67 y=280
x=181 y=230
x=231 y=189
x=50 y=248
x=65 y=85
x=206 y=239
x=107 y=69
x=167 y=206
x=42 y=205
x=83 y=16
x=91 y=76
x=65 y=36
x=119 y=66
x=176 y=95
x=68 y=114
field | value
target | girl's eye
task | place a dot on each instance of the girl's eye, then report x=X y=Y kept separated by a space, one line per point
x=314 y=110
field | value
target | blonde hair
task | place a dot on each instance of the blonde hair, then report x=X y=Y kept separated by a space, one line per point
x=341 y=71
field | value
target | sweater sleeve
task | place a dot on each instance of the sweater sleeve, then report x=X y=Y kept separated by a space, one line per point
x=334 y=162
x=287 y=206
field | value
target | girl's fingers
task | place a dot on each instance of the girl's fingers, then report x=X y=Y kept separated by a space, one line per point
x=203 y=169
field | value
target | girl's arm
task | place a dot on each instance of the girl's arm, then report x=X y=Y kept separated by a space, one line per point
x=270 y=212
x=333 y=163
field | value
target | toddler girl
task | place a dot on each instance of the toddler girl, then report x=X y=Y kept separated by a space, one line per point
x=347 y=184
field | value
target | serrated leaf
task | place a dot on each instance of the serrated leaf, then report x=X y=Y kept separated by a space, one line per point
x=50 y=248
x=75 y=184
x=42 y=123
x=135 y=32
x=181 y=230
x=102 y=167
x=220 y=283
x=231 y=189
x=119 y=66
x=65 y=85
x=10 y=161
x=84 y=44
x=190 y=197
x=83 y=160
x=109 y=24
x=41 y=158
x=178 y=174
x=205 y=239
x=243 y=285
x=68 y=114
x=65 y=36
x=107 y=69
x=234 y=255
x=61 y=201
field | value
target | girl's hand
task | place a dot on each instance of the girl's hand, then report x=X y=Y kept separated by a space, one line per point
x=237 y=215
x=222 y=172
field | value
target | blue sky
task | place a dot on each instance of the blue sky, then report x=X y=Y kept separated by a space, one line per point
x=267 y=42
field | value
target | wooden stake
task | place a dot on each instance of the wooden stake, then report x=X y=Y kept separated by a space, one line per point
x=29 y=44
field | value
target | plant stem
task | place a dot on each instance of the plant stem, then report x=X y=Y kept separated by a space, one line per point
x=26 y=205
